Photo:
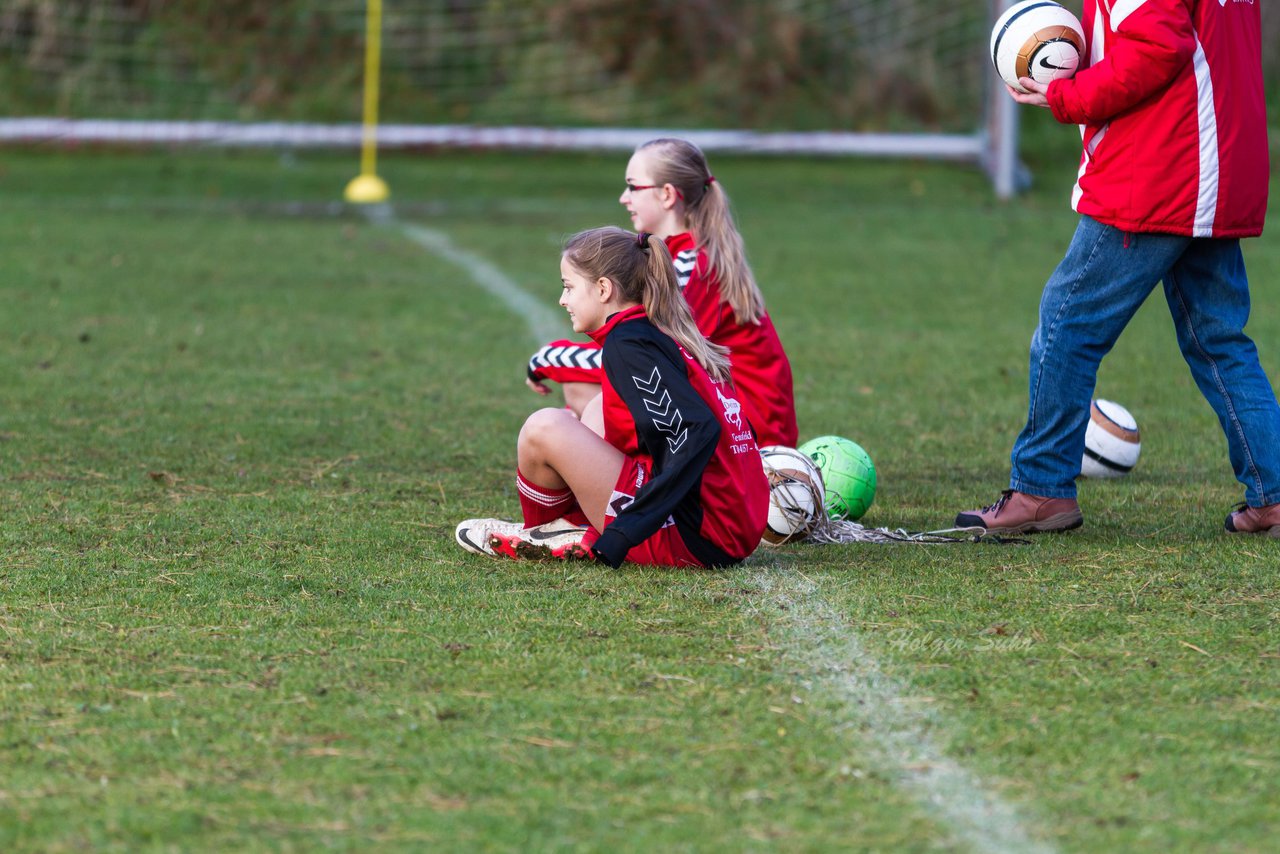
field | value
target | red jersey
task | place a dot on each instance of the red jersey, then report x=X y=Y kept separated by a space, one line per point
x=706 y=473
x=761 y=372
x=1173 y=118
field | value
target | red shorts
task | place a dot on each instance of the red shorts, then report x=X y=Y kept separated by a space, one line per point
x=665 y=547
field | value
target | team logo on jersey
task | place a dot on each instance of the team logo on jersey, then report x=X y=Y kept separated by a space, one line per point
x=732 y=409
x=664 y=415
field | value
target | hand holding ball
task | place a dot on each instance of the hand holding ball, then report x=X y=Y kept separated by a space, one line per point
x=1039 y=39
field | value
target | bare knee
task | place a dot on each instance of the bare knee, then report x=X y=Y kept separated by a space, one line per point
x=543 y=430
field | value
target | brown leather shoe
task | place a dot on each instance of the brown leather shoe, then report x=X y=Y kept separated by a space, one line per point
x=1255 y=520
x=1020 y=513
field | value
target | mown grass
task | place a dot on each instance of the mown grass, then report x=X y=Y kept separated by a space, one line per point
x=240 y=424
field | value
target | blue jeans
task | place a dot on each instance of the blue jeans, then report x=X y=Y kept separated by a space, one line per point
x=1087 y=302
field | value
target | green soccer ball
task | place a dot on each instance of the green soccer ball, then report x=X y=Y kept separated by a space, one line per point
x=848 y=475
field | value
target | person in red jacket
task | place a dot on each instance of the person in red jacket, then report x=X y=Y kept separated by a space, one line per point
x=676 y=479
x=1173 y=173
x=671 y=193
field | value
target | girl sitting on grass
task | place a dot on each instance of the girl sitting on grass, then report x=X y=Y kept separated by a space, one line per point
x=677 y=478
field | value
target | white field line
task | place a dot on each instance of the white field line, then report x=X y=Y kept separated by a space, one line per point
x=544 y=322
x=874 y=715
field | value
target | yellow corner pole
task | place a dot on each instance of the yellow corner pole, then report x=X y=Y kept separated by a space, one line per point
x=367 y=187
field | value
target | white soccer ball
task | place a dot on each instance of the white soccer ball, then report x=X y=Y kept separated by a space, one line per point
x=795 y=494
x=1039 y=39
x=1111 y=441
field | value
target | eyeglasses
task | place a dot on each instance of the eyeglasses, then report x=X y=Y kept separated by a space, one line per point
x=635 y=188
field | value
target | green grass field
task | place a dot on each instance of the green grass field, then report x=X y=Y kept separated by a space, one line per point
x=240 y=423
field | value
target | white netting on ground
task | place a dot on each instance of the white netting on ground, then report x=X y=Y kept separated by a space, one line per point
x=797 y=506
x=843 y=531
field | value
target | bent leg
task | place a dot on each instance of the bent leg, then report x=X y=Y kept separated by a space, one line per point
x=556 y=450
x=593 y=415
x=577 y=395
x=1208 y=296
x=1087 y=302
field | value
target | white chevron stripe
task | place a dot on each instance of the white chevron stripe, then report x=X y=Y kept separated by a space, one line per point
x=650 y=385
x=673 y=425
x=571 y=355
x=661 y=406
x=684 y=263
x=678 y=442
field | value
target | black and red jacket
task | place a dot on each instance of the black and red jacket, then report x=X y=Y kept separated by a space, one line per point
x=706 y=475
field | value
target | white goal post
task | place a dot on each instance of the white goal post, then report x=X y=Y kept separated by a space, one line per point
x=115 y=79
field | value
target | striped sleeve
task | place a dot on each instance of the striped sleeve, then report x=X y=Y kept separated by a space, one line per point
x=566 y=362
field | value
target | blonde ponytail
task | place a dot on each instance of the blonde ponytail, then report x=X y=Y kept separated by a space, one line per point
x=683 y=165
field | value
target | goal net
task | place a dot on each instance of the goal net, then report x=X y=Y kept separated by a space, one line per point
x=881 y=77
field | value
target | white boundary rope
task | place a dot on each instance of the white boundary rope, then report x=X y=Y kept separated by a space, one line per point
x=809 y=522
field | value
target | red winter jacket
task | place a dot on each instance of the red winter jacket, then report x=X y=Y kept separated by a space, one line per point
x=1172 y=115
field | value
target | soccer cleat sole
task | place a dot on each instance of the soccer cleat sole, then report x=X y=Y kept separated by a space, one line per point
x=573 y=551
x=519 y=548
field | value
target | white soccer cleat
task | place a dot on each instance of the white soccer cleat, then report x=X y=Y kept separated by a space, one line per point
x=473 y=534
x=558 y=540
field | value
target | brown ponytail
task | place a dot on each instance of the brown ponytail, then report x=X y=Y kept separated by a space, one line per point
x=640 y=267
